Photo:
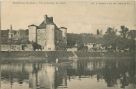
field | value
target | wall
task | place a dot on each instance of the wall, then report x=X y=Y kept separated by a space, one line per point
x=71 y=49
x=64 y=36
x=6 y=47
x=50 y=38
x=32 y=33
x=23 y=35
x=28 y=47
x=15 y=47
x=41 y=38
x=4 y=36
x=58 y=39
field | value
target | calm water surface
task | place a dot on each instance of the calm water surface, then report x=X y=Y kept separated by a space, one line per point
x=81 y=74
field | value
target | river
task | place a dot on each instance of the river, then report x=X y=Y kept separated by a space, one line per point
x=77 y=74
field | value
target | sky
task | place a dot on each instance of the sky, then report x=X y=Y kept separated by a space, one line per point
x=77 y=16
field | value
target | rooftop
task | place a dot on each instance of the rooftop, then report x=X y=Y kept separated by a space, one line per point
x=47 y=20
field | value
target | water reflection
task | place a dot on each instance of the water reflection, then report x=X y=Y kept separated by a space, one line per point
x=108 y=74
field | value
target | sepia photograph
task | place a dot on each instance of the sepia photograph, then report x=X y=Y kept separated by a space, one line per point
x=67 y=44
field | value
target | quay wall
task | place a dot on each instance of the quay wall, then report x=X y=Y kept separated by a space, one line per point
x=62 y=54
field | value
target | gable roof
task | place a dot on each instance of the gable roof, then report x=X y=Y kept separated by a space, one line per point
x=42 y=25
x=47 y=20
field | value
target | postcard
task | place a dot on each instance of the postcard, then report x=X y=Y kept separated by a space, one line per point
x=67 y=44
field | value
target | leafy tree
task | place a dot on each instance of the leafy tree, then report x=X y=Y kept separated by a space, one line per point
x=124 y=31
x=110 y=38
x=98 y=32
x=36 y=46
x=73 y=39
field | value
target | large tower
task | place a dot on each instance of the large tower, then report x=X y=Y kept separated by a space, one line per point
x=50 y=38
x=32 y=33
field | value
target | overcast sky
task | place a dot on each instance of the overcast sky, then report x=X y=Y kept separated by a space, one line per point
x=78 y=17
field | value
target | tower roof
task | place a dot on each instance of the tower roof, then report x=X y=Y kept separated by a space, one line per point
x=47 y=20
x=32 y=25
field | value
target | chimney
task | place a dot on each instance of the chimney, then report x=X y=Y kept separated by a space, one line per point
x=45 y=18
x=51 y=19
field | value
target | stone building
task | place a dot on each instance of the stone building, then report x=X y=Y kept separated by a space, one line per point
x=21 y=36
x=48 y=35
x=13 y=40
x=64 y=36
x=4 y=36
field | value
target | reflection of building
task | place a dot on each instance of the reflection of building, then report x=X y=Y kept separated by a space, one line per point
x=48 y=35
x=60 y=77
x=44 y=78
x=48 y=76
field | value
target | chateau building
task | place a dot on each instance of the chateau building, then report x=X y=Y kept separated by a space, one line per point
x=48 y=35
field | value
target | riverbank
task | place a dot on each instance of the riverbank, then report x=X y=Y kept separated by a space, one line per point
x=52 y=55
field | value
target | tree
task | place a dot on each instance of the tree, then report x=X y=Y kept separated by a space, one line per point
x=36 y=46
x=98 y=32
x=74 y=39
x=124 y=31
x=110 y=38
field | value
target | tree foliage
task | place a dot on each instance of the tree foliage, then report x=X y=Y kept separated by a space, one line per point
x=112 y=41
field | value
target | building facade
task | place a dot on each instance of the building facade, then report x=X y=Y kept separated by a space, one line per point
x=4 y=36
x=13 y=40
x=48 y=35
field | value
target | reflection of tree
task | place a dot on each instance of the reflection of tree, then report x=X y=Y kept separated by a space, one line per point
x=110 y=74
x=82 y=68
x=109 y=70
x=132 y=72
x=18 y=74
x=124 y=81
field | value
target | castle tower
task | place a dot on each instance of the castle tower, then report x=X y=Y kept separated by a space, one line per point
x=50 y=38
x=32 y=33
x=48 y=20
